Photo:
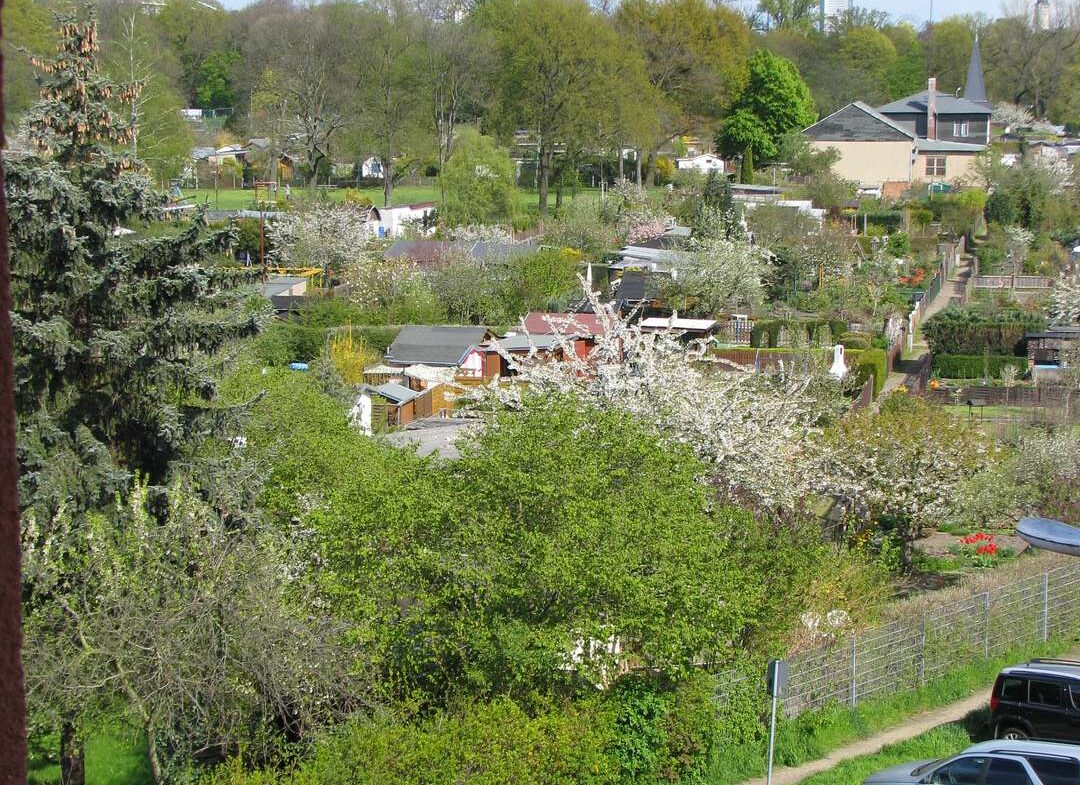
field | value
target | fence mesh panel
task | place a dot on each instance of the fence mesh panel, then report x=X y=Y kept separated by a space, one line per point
x=909 y=652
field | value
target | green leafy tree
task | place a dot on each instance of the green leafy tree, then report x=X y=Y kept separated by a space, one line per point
x=478 y=180
x=110 y=333
x=694 y=57
x=776 y=101
x=873 y=54
x=745 y=134
x=558 y=62
x=797 y=14
x=213 y=85
x=948 y=48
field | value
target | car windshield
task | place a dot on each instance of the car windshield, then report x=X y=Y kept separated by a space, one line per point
x=918 y=771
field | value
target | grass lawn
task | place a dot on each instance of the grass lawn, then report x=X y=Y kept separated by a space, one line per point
x=115 y=755
x=241 y=199
x=941 y=742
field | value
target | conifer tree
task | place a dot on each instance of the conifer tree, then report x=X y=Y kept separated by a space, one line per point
x=112 y=333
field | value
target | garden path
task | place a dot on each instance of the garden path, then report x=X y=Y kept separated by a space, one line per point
x=919 y=723
x=952 y=292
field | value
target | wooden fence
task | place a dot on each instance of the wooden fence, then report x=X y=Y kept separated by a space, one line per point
x=1011 y=281
x=1002 y=396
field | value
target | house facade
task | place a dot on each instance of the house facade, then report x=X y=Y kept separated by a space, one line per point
x=877 y=150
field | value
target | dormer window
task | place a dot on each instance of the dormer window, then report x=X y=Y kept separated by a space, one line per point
x=960 y=130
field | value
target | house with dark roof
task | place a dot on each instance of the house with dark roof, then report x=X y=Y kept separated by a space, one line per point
x=931 y=136
x=877 y=150
x=439 y=346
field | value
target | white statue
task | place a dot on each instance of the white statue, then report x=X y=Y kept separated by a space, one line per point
x=839 y=369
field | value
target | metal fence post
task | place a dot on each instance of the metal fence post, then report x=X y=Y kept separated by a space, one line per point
x=854 y=695
x=1046 y=607
x=986 y=624
x=922 y=653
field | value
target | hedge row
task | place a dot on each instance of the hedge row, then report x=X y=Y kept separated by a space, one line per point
x=976 y=366
x=766 y=332
x=869 y=363
x=287 y=342
x=973 y=330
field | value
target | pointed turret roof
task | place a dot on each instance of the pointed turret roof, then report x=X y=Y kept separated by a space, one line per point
x=975 y=87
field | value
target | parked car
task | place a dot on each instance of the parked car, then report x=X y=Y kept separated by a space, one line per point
x=1056 y=763
x=981 y=768
x=1039 y=699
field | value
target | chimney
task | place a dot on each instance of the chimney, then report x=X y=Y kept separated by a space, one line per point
x=931 y=108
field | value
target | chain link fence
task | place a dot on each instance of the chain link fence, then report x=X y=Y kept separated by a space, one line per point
x=909 y=652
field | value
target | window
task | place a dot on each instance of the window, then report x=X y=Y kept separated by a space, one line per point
x=962 y=771
x=1003 y=771
x=1013 y=690
x=935 y=165
x=1046 y=693
x=959 y=129
x=1055 y=771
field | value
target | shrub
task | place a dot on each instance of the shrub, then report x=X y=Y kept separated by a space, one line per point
x=855 y=340
x=285 y=342
x=869 y=363
x=889 y=220
x=973 y=330
x=482 y=744
x=969 y=366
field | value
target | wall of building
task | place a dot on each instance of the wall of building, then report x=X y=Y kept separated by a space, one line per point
x=958 y=167
x=871 y=163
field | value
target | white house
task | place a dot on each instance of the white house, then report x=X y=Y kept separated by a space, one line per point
x=371 y=167
x=704 y=163
x=391 y=221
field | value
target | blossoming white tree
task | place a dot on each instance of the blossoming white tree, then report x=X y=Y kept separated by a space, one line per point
x=329 y=236
x=1065 y=300
x=753 y=430
x=726 y=273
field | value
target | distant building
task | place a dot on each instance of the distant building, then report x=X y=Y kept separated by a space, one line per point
x=831 y=9
x=704 y=163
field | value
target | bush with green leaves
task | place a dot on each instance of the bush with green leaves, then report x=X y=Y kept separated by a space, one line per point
x=966 y=366
x=975 y=330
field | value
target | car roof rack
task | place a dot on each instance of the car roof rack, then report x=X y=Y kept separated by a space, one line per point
x=1053 y=661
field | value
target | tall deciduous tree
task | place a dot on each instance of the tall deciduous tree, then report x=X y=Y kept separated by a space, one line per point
x=695 y=60
x=558 y=60
x=775 y=102
x=109 y=332
x=478 y=182
x=161 y=138
x=393 y=95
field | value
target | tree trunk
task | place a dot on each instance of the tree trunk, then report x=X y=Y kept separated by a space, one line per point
x=152 y=754
x=618 y=151
x=388 y=180
x=650 y=170
x=72 y=755
x=637 y=165
x=545 y=177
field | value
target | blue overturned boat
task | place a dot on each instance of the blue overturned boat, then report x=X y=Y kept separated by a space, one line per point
x=1050 y=535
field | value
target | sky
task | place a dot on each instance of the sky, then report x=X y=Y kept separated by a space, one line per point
x=914 y=11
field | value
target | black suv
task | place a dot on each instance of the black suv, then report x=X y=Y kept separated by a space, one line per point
x=1037 y=700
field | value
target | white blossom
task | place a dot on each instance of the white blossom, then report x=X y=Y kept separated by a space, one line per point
x=329 y=236
x=1065 y=299
x=753 y=430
